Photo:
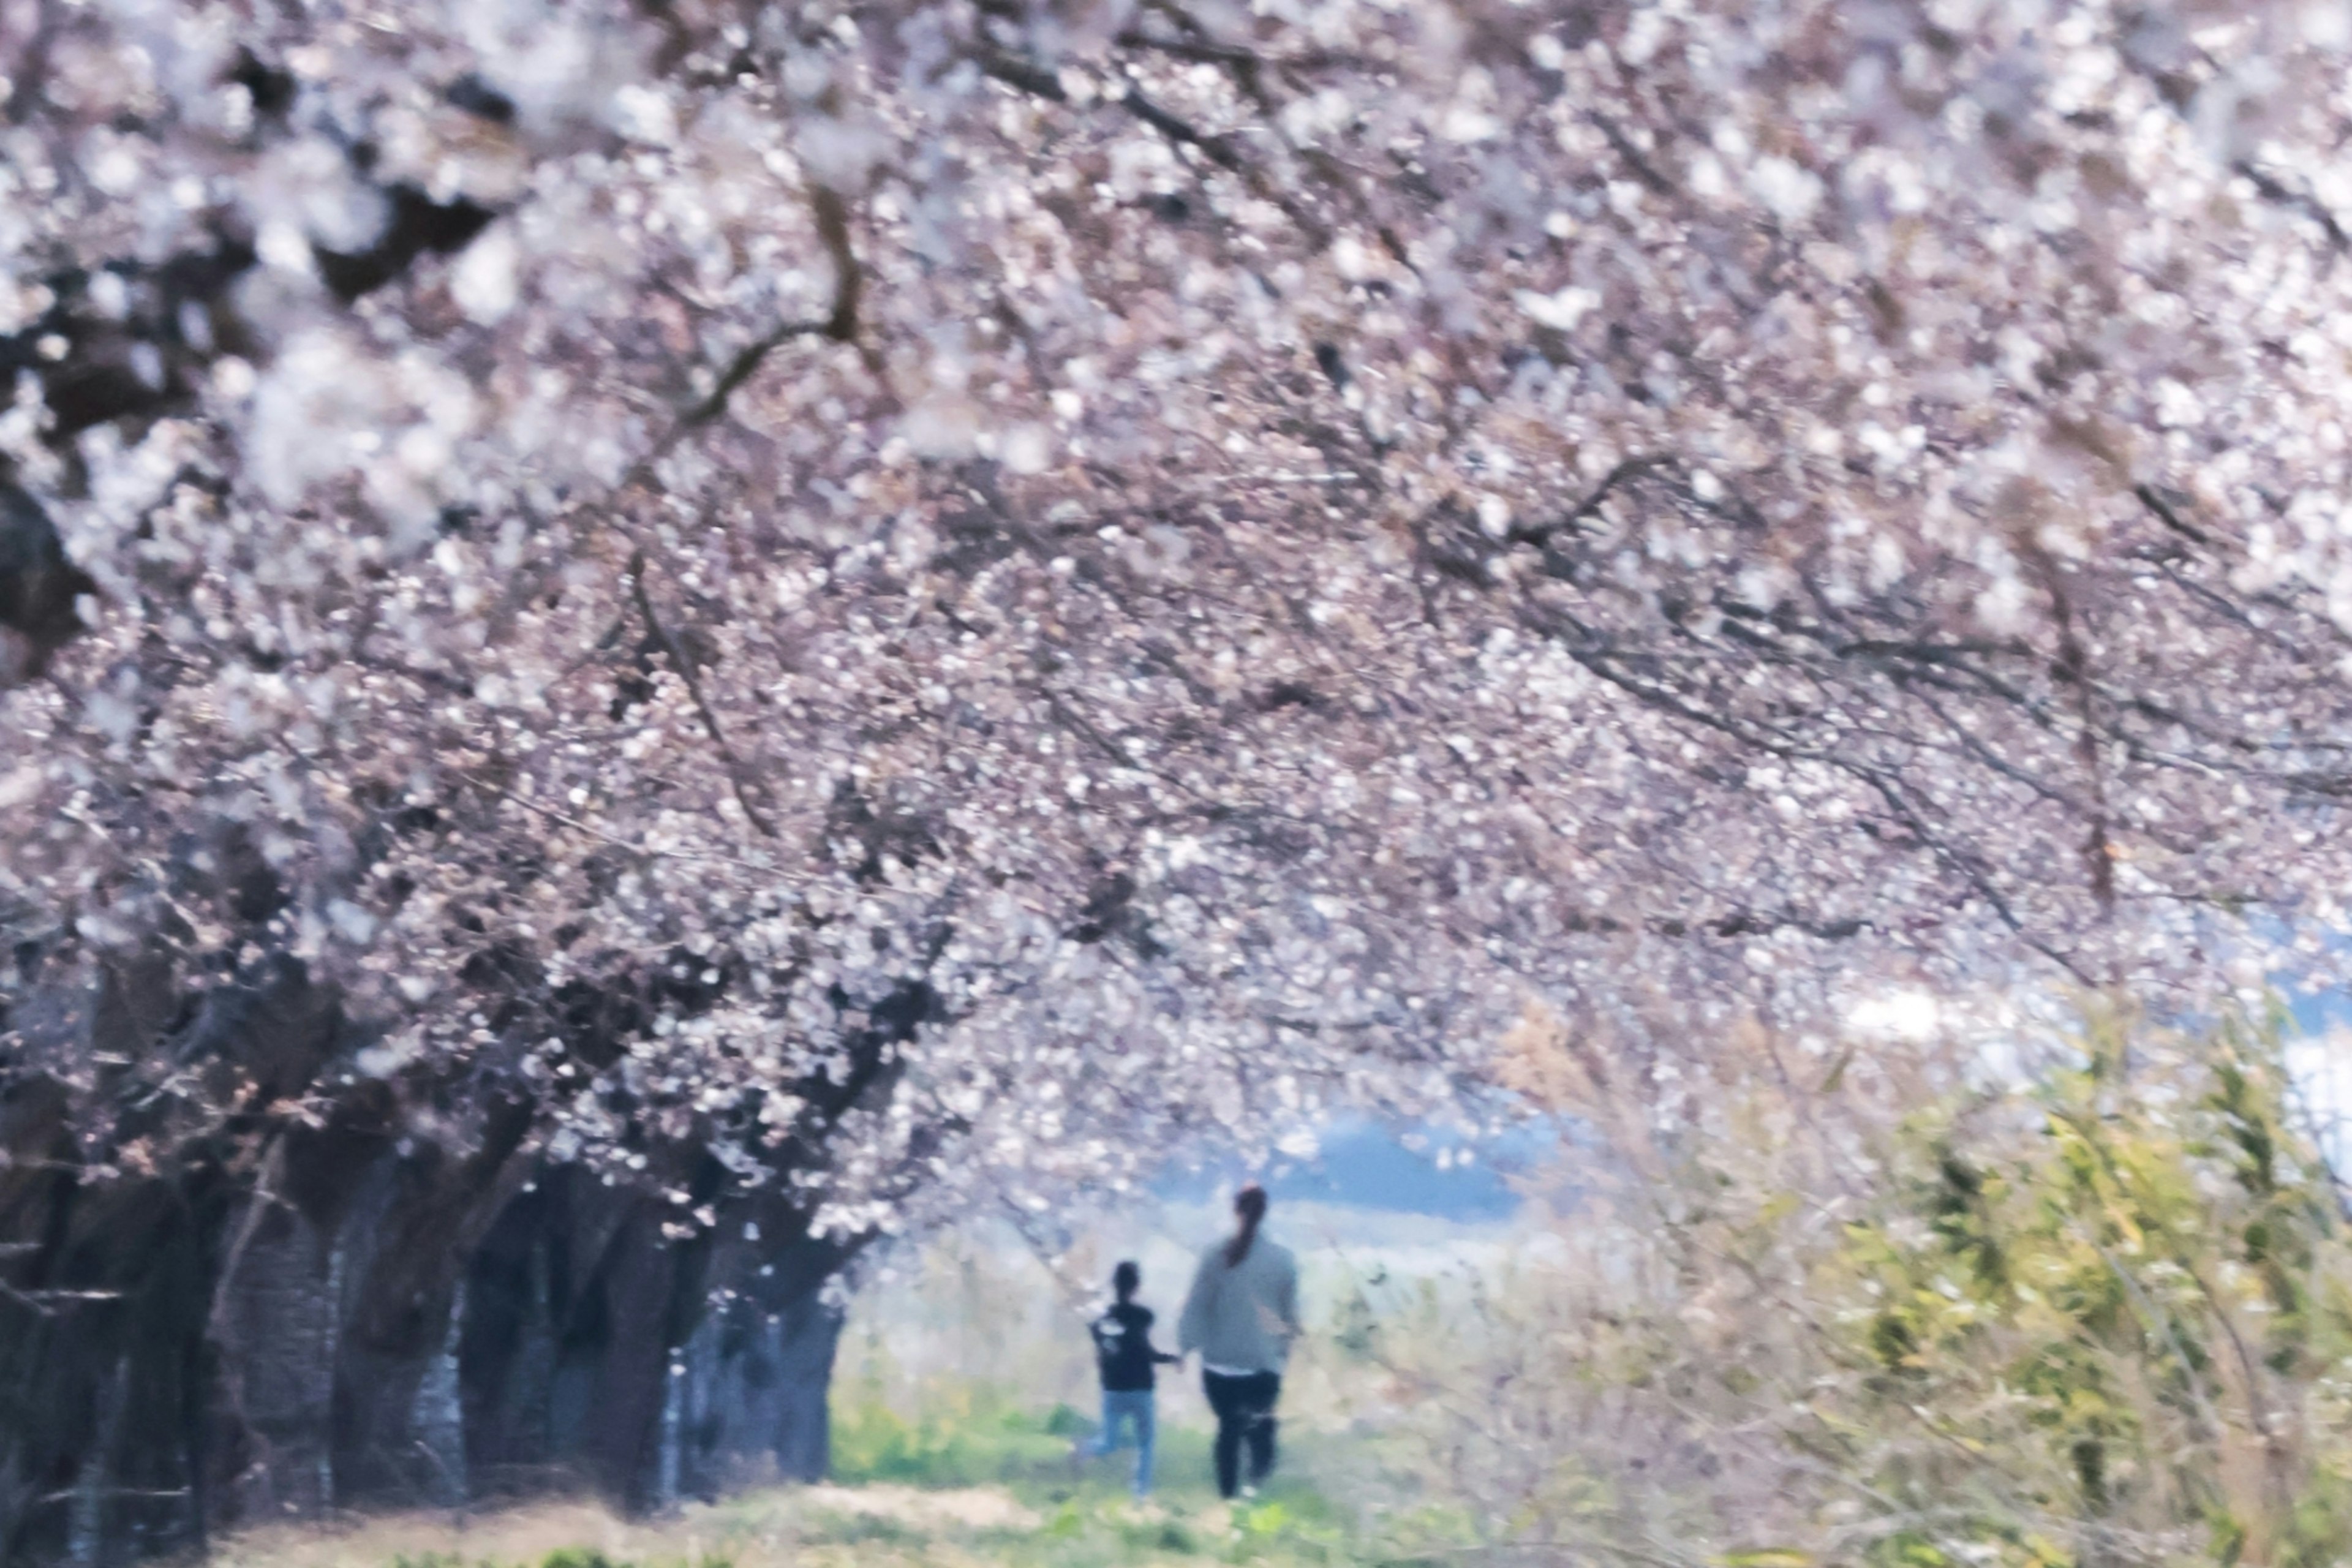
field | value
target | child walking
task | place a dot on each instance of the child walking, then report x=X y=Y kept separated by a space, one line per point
x=1124 y=1354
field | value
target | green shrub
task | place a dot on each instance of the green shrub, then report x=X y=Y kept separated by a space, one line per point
x=1924 y=1310
x=578 y=1557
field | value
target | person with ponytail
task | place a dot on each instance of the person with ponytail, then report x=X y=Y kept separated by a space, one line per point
x=1242 y=1314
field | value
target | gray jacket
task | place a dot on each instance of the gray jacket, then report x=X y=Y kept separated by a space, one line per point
x=1244 y=1317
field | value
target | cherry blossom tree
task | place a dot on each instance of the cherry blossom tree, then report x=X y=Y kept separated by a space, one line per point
x=784 y=620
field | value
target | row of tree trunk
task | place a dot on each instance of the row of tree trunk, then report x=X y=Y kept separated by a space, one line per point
x=338 y=1312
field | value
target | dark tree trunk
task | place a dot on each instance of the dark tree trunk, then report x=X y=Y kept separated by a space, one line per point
x=344 y=1317
x=104 y=1371
x=757 y=1372
x=240 y=1361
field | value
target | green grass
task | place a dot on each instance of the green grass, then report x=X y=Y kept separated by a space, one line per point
x=966 y=1438
x=974 y=1480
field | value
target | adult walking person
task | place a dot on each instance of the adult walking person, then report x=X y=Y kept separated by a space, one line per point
x=1242 y=1314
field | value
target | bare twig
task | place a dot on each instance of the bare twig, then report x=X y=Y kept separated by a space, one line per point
x=220 y=1325
x=2270 y=188
x=633 y=846
x=682 y=664
x=1218 y=150
x=45 y=1302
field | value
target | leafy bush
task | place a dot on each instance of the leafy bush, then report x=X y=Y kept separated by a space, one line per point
x=2096 y=1314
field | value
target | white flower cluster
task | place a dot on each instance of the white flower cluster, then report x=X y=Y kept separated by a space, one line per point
x=929 y=597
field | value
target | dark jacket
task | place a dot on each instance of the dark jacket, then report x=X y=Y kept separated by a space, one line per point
x=1123 y=1348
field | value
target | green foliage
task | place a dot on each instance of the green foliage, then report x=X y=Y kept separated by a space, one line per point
x=2101 y=1315
x=967 y=1434
x=2109 y=1317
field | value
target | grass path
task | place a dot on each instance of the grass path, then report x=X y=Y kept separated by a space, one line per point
x=1041 y=1510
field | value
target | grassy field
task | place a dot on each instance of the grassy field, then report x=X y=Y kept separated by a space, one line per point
x=970 y=1484
x=1045 y=1510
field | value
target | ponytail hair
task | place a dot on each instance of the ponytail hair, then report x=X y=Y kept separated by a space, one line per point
x=1249 y=1206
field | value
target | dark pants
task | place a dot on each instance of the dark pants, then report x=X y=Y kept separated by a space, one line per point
x=1244 y=1407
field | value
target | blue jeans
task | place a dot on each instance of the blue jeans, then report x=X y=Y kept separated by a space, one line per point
x=1129 y=1405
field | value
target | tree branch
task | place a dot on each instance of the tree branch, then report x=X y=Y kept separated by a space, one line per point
x=683 y=665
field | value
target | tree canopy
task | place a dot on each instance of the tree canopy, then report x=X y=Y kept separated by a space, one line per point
x=1111 y=568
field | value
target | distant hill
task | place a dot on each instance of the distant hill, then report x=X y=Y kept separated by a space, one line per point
x=1364 y=1164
